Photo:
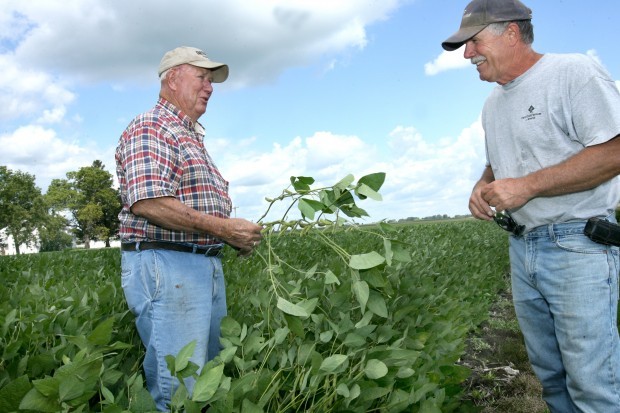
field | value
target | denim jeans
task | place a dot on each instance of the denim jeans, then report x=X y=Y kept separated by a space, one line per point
x=177 y=297
x=565 y=292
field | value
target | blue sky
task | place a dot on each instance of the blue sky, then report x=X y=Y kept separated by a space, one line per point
x=318 y=88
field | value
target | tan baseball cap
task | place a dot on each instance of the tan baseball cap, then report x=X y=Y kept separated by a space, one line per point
x=480 y=13
x=195 y=57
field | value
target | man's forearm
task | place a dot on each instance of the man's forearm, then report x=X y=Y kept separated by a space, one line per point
x=172 y=214
x=585 y=170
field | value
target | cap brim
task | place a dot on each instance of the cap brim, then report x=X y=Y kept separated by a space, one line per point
x=219 y=70
x=459 y=38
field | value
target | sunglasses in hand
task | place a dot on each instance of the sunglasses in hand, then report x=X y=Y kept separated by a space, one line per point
x=506 y=222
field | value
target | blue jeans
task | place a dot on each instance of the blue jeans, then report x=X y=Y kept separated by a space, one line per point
x=565 y=292
x=177 y=297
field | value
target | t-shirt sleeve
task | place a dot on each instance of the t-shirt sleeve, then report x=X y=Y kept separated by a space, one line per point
x=596 y=108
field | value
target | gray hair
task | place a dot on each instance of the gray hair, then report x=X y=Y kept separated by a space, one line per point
x=526 y=28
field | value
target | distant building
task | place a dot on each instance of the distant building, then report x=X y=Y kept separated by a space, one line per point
x=7 y=246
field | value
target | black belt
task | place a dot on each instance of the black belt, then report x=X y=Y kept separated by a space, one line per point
x=208 y=250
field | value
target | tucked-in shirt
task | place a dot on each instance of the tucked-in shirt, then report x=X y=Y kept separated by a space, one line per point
x=561 y=105
x=161 y=154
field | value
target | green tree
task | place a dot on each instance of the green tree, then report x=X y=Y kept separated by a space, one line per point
x=22 y=209
x=91 y=201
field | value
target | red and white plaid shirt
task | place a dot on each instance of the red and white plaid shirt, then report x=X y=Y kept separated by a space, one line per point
x=161 y=154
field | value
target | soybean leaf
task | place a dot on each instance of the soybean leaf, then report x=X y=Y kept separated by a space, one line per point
x=70 y=388
x=102 y=334
x=363 y=191
x=366 y=261
x=182 y=359
x=309 y=206
x=376 y=304
x=12 y=393
x=33 y=400
x=345 y=182
x=331 y=363
x=292 y=309
x=207 y=384
x=230 y=327
x=302 y=183
x=373 y=181
x=361 y=291
x=375 y=369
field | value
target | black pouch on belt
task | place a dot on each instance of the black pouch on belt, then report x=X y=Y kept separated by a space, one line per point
x=602 y=231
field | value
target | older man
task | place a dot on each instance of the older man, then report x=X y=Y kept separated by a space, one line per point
x=175 y=221
x=552 y=128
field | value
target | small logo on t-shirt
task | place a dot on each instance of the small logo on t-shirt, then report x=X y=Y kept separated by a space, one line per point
x=532 y=114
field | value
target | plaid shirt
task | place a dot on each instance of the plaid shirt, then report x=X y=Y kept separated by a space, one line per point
x=161 y=154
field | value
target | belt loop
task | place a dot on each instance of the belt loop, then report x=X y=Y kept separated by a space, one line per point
x=194 y=248
x=137 y=246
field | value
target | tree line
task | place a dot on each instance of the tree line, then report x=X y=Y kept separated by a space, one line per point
x=83 y=206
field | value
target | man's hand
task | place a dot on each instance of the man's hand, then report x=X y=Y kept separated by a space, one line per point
x=477 y=205
x=242 y=235
x=506 y=194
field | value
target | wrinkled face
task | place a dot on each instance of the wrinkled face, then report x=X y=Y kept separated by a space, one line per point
x=488 y=51
x=192 y=87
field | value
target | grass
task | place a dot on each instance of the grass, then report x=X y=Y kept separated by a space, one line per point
x=502 y=379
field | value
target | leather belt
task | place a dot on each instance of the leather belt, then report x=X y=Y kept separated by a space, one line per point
x=208 y=250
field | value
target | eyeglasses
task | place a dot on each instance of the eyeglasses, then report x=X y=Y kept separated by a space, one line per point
x=505 y=221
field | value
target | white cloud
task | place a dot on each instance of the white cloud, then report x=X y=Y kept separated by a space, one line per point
x=40 y=152
x=258 y=38
x=30 y=93
x=423 y=178
x=446 y=61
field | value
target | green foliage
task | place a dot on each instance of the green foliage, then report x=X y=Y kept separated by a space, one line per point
x=88 y=195
x=21 y=206
x=327 y=316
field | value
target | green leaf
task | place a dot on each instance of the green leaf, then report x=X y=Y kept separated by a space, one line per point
x=330 y=278
x=295 y=325
x=292 y=309
x=107 y=394
x=366 y=261
x=48 y=386
x=375 y=369
x=376 y=304
x=13 y=393
x=70 y=388
x=207 y=384
x=364 y=191
x=229 y=327
x=308 y=207
x=354 y=340
x=302 y=183
x=362 y=292
x=373 y=181
x=34 y=400
x=182 y=359
x=227 y=354
x=102 y=334
x=345 y=182
x=331 y=363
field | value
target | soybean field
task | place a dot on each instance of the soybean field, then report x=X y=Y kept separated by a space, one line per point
x=340 y=319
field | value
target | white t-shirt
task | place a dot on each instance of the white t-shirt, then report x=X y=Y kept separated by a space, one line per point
x=562 y=104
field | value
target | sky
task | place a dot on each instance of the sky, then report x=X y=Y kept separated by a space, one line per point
x=320 y=88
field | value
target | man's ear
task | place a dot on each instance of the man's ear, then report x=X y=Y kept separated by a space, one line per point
x=513 y=33
x=172 y=78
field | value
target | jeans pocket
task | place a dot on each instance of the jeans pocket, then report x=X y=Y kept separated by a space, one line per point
x=579 y=243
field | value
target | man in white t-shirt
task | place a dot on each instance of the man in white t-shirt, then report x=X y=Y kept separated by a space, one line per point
x=552 y=131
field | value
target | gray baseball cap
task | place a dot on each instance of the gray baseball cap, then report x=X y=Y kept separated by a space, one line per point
x=480 y=13
x=195 y=57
